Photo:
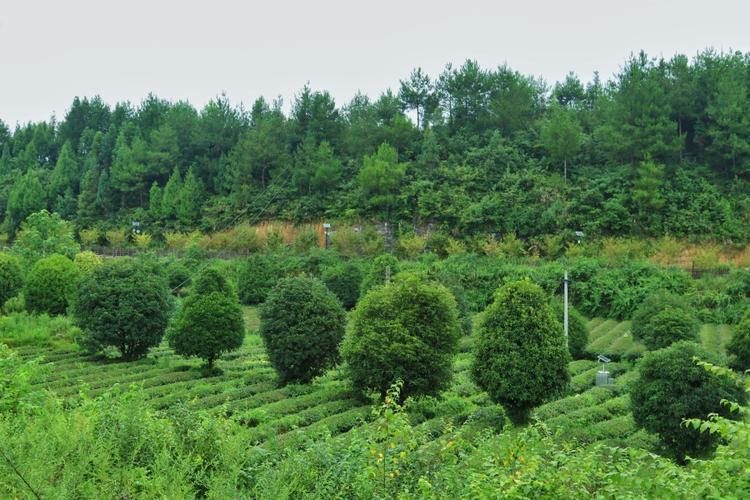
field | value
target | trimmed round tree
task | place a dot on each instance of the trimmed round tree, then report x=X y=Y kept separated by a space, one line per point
x=256 y=278
x=344 y=281
x=663 y=319
x=207 y=326
x=123 y=305
x=407 y=330
x=520 y=357
x=209 y=322
x=578 y=333
x=11 y=279
x=50 y=285
x=738 y=347
x=302 y=324
x=672 y=387
x=211 y=280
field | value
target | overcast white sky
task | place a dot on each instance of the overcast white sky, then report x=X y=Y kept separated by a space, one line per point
x=51 y=51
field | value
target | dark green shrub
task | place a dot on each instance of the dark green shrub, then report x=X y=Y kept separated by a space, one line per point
x=123 y=305
x=207 y=325
x=738 y=347
x=302 y=324
x=663 y=319
x=256 y=278
x=578 y=333
x=672 y=387
x=375 y=275
x=11 y=279
x=520 y=357
x=178 y=276
x=209 y=280
x=437 y=243
x=344 y=281
x=406 y=330
x=50 y=284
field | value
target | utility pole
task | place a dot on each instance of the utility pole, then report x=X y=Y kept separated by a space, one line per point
x=565 y=307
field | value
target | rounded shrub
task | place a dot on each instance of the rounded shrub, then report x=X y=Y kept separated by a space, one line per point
x=177 y=275
x=256 y=278
x=407 y=330
x=520 y=357
x=86 y=261
x=578 y=333
x=206 y=326
x=375 y=275
x=50 y=284
x=11 y=278
x=663 y=319
x=738 y=347
x=209 y=280
x=672 y=387
x=344 y=281
x=122 y=305
x=302 y=324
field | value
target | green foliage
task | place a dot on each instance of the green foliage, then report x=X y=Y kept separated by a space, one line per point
x=210 y=279
x=11 y=279
x=406 y=330
x=86 y=261
x=578 y=333
x=44 y=234
x=177 y=274
x=17 y=379
x=344 y=281
x=739 y=346
x=302 y=324
x=51 y=284
x=663 y=319
x=520 y=357
x=376 y=274
x=256 y=278
x=207 y=325
x=672 y=387
x=124 y=305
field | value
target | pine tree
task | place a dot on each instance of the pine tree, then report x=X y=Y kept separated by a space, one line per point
x=155 y=201
x=171 y=197
x=65 y=174
x=188 y=205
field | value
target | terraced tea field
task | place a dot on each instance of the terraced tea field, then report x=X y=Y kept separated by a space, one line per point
x=247 y=390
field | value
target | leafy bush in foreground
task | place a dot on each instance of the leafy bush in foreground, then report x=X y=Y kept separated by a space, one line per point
x=50 y=285
x=121 y=304
x=406 y=330
x=520 y=355
x=672 y=387
x=302 y=324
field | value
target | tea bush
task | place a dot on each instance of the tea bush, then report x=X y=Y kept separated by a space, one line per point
x=406 y=330
x=11 y=278
x=344 y=281
x=302 y=324
x=738 y=347
x=50 y=285
x=123 y=305
x=520 y=357
x=672 y=387
x=663 y=319
x=256 y=277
